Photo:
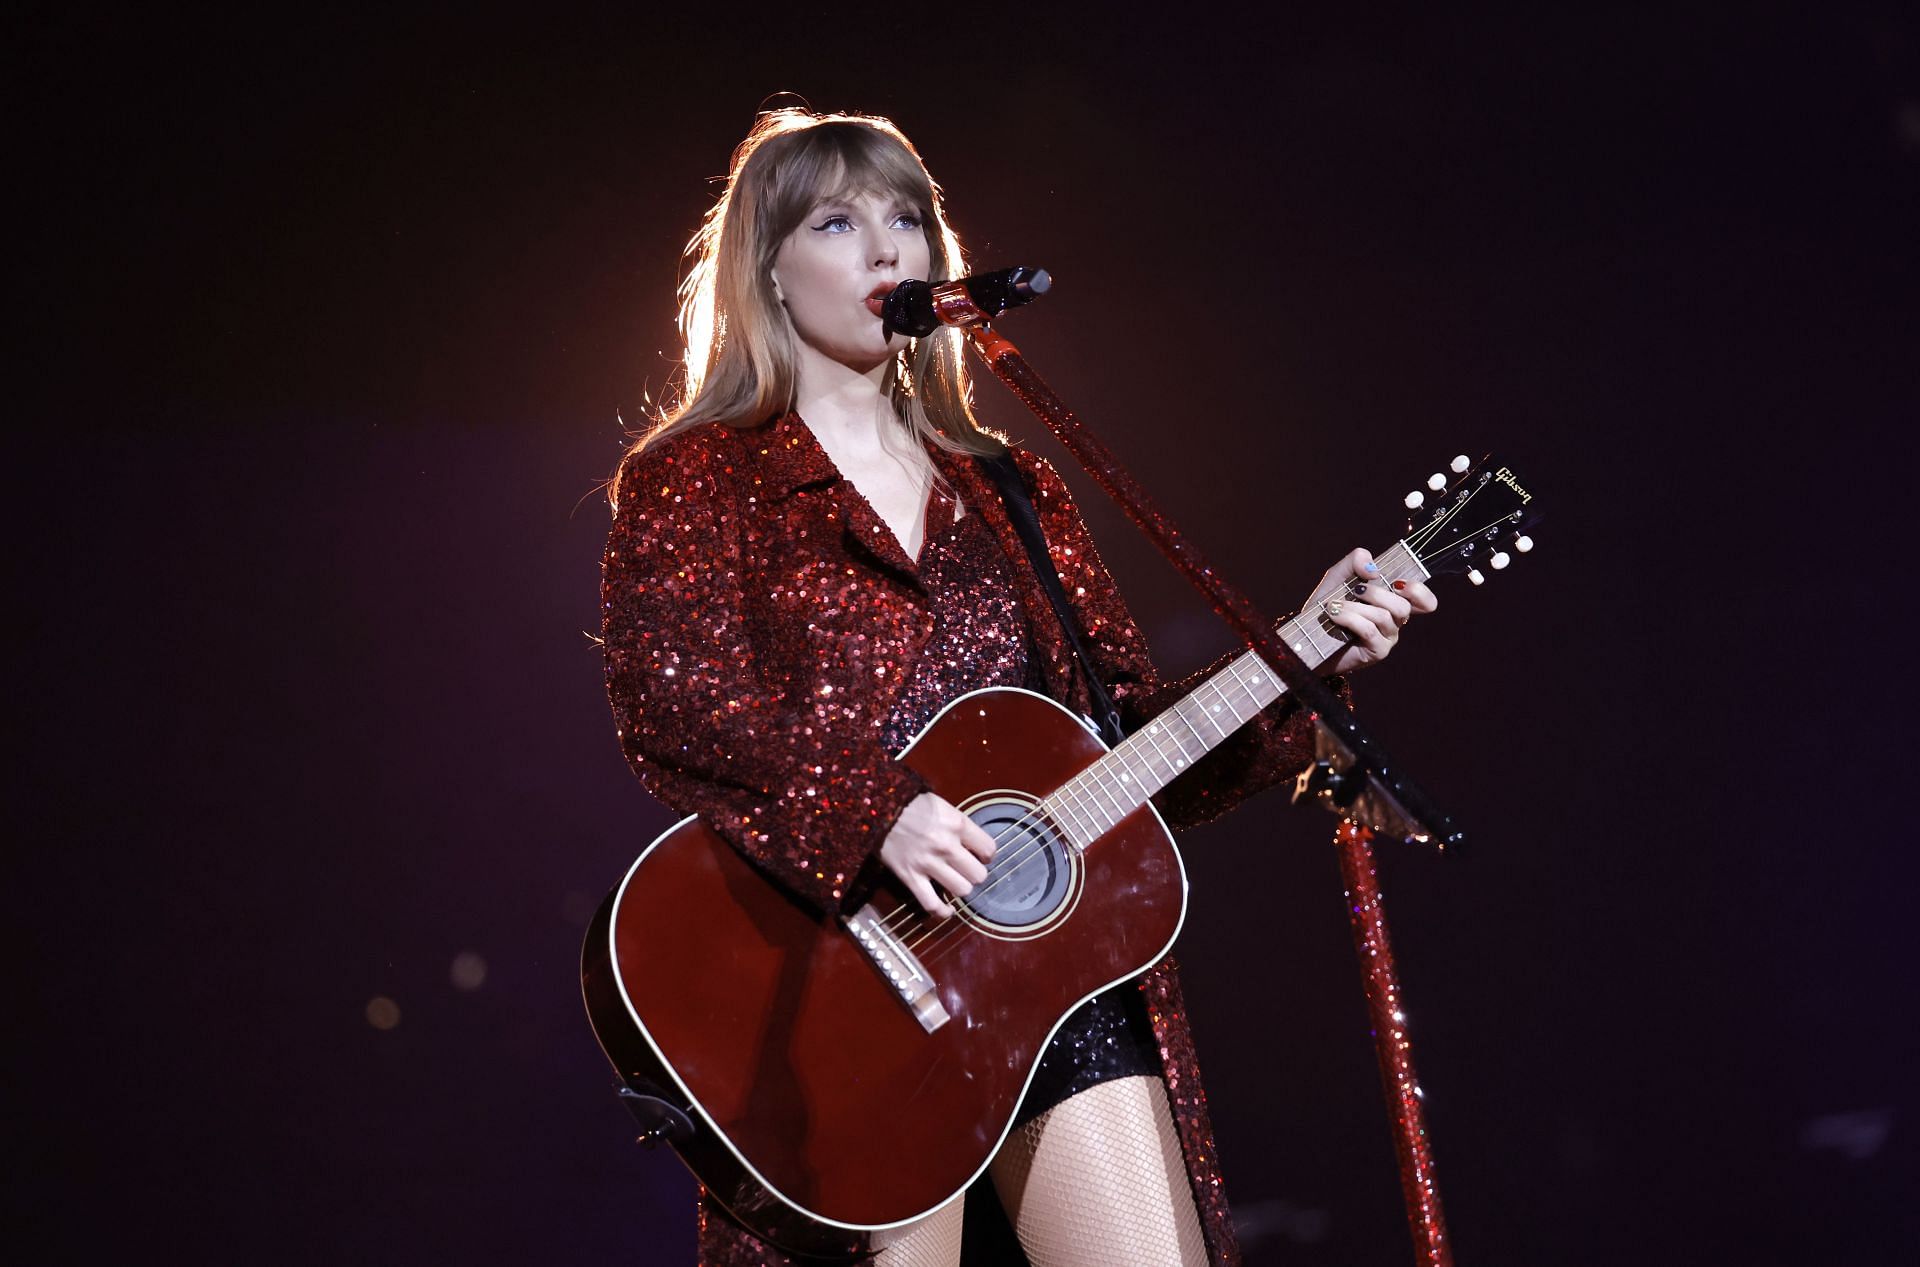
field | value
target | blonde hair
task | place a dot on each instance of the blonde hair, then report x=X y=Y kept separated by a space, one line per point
x=738 y=367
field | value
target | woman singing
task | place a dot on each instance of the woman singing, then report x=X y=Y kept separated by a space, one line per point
x=807 y=562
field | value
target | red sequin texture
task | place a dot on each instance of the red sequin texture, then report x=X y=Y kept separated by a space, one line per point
x=756 y=622
x=760 y=622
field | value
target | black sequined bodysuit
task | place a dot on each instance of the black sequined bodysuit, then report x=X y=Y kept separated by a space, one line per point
x=980 y=639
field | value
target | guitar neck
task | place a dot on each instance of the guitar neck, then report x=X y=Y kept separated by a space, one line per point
x=1088 y=805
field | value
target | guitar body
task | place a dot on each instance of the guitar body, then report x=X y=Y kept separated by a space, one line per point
x=824 y=1109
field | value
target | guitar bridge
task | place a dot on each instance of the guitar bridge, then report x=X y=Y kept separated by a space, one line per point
x=910 y=980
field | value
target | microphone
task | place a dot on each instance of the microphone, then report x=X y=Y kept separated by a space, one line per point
x=916 y=309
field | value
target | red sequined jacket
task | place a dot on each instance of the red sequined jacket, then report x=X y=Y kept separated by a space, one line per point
x=759 y=619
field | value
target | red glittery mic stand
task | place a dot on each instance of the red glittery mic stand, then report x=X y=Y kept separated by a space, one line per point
x=1392 y=1045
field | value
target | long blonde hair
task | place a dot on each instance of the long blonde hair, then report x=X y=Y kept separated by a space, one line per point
x=738 y=367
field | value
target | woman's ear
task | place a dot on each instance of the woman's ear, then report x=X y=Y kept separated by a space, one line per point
x=778 y=296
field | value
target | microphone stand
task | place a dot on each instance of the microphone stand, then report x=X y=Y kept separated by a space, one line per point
x=1352 y=775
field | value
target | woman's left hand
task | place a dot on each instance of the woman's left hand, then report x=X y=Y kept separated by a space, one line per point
x=1369 y=609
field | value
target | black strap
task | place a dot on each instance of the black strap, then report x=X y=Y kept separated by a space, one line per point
x=1005 y=474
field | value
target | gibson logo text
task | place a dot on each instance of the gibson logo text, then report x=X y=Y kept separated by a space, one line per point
x=1505 y=476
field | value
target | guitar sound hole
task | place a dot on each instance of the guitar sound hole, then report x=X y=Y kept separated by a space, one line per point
x=1031 y=874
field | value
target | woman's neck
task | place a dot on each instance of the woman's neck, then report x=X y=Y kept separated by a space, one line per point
x=848 y=409
x=852 y=417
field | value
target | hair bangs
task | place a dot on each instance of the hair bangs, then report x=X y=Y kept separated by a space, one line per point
x=837 y=162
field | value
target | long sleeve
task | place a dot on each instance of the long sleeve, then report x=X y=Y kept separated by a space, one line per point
x=798 y=785
x=1272 y=747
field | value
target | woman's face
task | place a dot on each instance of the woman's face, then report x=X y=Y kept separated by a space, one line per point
x=832 y=270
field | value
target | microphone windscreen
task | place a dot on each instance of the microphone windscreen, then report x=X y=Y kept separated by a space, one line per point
x=908 y=310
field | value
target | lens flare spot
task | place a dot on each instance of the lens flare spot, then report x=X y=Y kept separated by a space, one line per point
x=469 y=971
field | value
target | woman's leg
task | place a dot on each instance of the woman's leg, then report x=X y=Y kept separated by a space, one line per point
x=1099 y=1179
x=932 y=1242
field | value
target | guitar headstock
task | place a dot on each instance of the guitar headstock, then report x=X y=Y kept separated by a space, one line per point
x=1472 y=521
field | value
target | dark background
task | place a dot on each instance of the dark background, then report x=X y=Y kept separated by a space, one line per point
x=328 y=328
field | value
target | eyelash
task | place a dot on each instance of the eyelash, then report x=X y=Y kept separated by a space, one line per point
x=824 y=225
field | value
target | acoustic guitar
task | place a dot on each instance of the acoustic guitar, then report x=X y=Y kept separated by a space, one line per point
x=832 y=1078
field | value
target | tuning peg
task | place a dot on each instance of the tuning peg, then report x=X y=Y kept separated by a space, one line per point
x=1500 y=559
x=1436 y=481
x=1523 y=543
x=1416 y=499
x=1476 y=576
x=1460 y=464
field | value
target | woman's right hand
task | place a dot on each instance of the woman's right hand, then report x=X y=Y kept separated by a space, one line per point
x=934 y=843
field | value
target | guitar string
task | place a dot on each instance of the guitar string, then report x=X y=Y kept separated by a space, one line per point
x=1073 y=807
x=1078 y=803
x=909 y=919
x=1041 y=836
x=931 y=944
x=1073 y=801
x=1088 y=809
x=1133 y=748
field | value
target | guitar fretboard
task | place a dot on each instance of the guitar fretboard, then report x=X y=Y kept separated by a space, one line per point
x=1089 y=805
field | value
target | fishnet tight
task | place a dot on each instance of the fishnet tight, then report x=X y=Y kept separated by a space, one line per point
x=1095 y=1181
x=932 y=1242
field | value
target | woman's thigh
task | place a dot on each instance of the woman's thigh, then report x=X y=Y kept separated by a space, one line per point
x=932 y=1242
x=1099 y=1179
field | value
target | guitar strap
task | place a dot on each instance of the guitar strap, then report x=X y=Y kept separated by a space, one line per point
x=1005 y=475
